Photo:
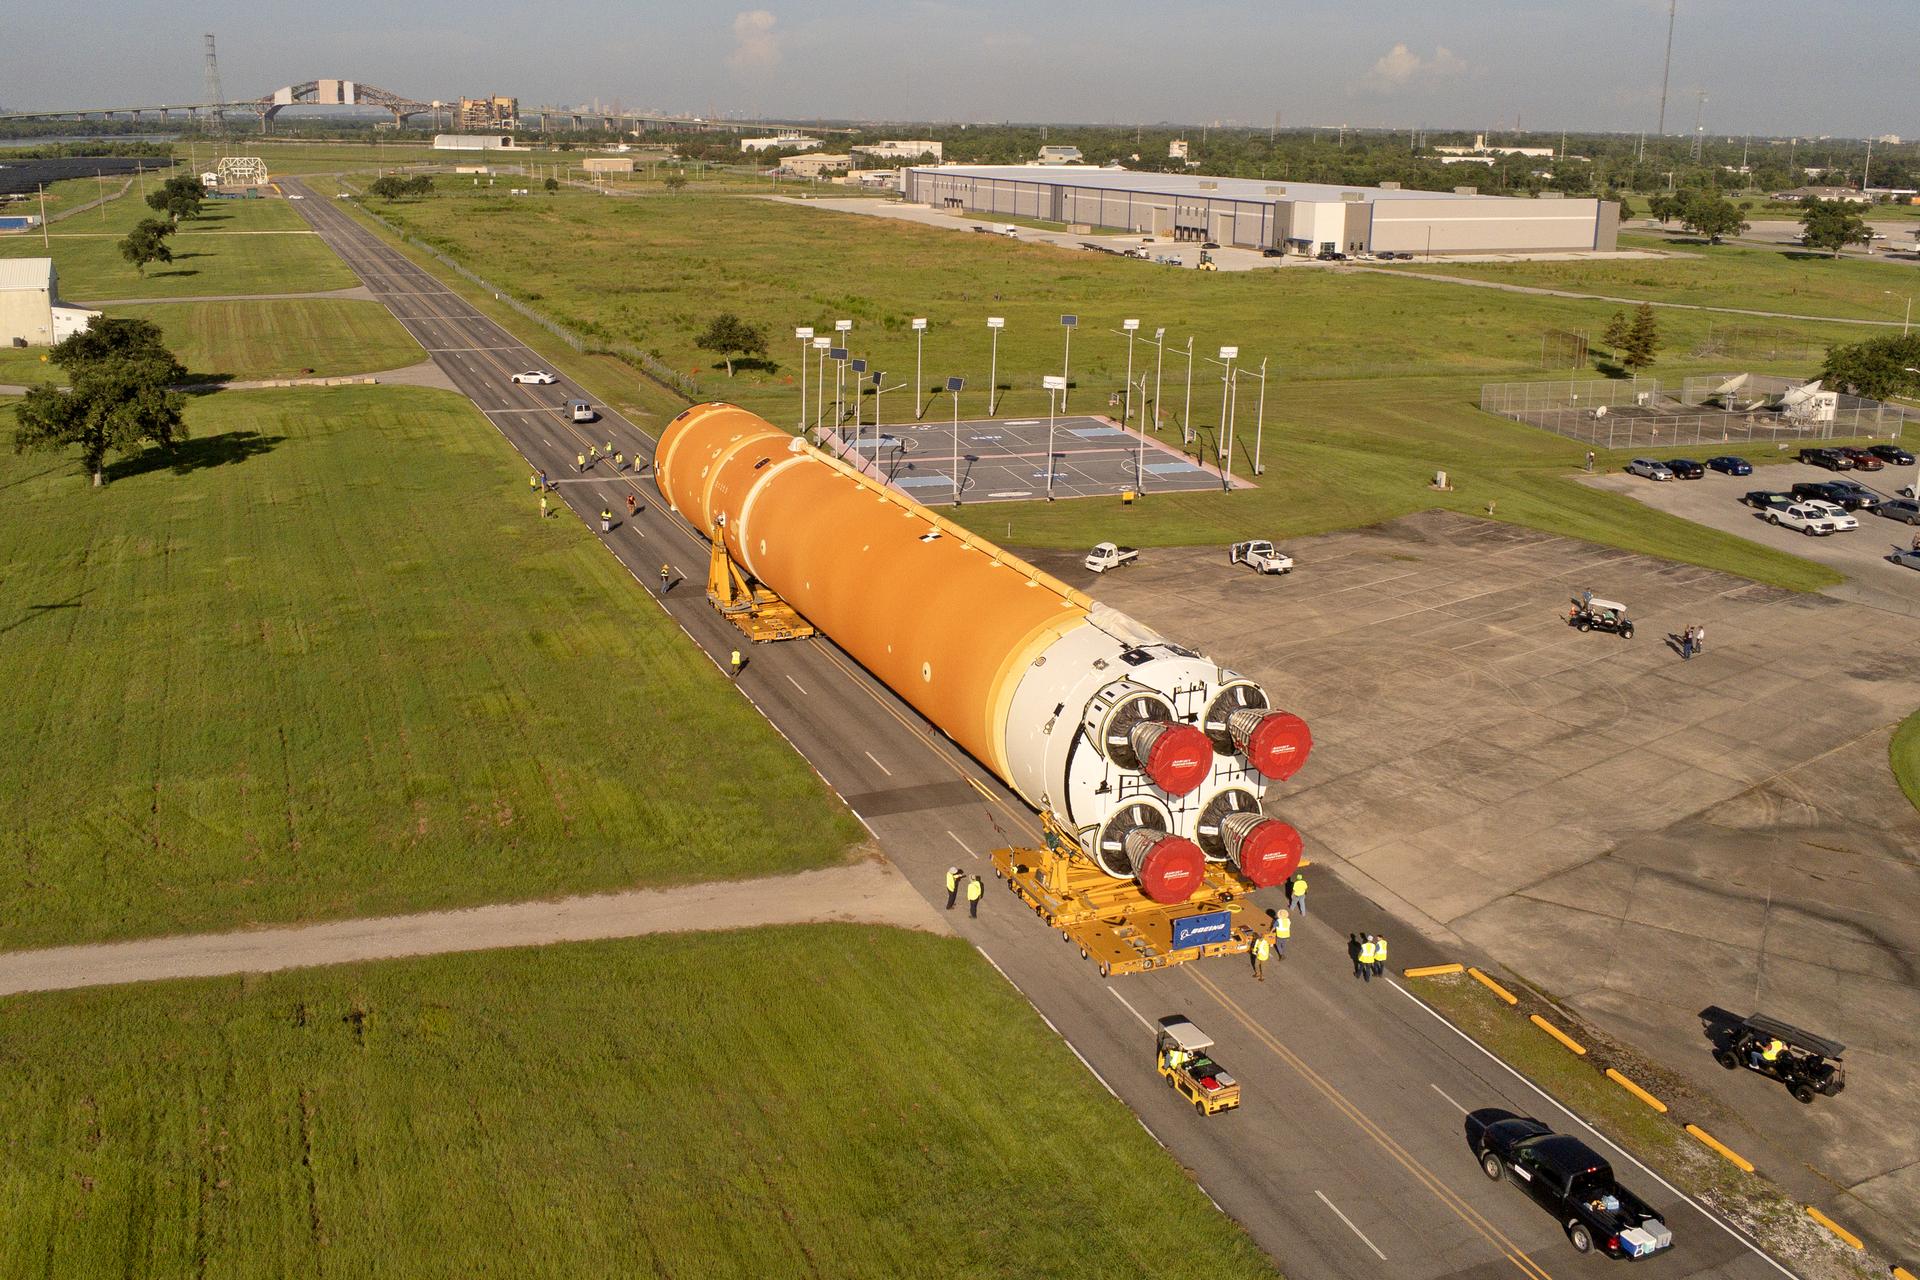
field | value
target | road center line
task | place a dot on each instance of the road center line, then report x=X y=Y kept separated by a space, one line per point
x=790 y=679
x=1349 y=1221
x=876 y=764
x=1130 y=1009
x=963 y=844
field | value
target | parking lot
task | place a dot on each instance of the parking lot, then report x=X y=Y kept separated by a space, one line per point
x=1714 y=501
x=1641 y=836
x=1005 y=460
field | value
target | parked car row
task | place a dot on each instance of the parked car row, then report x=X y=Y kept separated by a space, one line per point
x=1687 y=469
x=1842 y=458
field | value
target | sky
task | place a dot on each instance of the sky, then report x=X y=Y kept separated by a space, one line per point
x=1767 y=66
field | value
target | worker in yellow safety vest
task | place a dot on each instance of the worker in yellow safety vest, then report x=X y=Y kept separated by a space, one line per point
x=579 y=462
x=606 y=520
x=1770 y=1054
x=733 y=663
x=1282 y=930
x=1379 y=957
x=976 y=890
x=1261 y=948
x=1363 y=964
x=1297 y=893
x=953 y=886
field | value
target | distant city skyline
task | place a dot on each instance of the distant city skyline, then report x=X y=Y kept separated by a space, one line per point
x=1376 y=63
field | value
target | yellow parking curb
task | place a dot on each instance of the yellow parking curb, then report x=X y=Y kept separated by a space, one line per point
x=1845 y=1235
x=1494 y=987
x=1557 y=1033
x=1901 y=1273
x=1635 y=1090
x=1733 y=1156
x=1432 y=970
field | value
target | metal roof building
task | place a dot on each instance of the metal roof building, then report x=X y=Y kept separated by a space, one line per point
x=31 y=313
x=1299 y=217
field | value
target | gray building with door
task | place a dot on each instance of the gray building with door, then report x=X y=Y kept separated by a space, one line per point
x=1296 y=217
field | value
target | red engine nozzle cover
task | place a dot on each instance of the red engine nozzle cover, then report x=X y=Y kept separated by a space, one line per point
x=1277 y=744
x=1172 y=870
x=1177 y=757
x=1270 y=852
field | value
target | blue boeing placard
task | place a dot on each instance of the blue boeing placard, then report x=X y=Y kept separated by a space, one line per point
x=1202 y=930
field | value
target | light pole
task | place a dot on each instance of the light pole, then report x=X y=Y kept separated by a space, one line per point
x=1066 y=369
x=1129 y=327
x=822 y=346
x=1159 y=359
x=919 y=337
x=1222 y=446
x=1260 y=421
x=859 y=375
x=1054 y=386
x=1186 y=417
x=878 y=388
x=954 y=387
x=839 y=357
x=805 y=335
x=995 y=323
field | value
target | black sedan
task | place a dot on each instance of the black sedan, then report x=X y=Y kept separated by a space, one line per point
x=1891 y=454
x=1685 y=468
x=1728 y=465
x=1767 y=500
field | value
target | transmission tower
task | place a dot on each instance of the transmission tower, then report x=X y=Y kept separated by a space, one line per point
x=212 y=90
x=1699 y=110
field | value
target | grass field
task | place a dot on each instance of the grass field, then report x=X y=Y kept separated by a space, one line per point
x=240 y=246
x=819 y=1100
x=1905 y=757
x=1728 y=275
x=248 y=339
x=334 y=665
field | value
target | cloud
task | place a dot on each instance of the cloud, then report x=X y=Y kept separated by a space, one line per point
x=1401 y=66
x=756 y=45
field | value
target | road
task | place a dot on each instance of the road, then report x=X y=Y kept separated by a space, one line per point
x=1348 y=1159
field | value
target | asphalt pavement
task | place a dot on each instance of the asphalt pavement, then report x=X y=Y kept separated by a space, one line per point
x=1348 y=1157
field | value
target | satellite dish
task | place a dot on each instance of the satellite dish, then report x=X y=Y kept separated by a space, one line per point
x=1732 y=384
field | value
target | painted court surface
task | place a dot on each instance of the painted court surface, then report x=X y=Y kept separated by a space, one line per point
x=1006 y=460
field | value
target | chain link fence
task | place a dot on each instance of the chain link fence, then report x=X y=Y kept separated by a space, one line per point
x=1642 y=412
x=651 y=365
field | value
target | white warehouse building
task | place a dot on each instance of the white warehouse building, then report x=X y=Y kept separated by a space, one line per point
x=1297 y=217
x=31 y=313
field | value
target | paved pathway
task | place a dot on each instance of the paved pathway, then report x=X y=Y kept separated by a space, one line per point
x=424 y=374
x=870 y=892
x=359 y=293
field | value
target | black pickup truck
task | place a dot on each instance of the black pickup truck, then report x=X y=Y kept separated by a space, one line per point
x=1568 y=1179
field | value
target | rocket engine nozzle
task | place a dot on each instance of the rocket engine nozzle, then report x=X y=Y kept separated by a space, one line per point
x=1276 y=743
x=1265 y=850
x=1176 y=756
x=1169 y=868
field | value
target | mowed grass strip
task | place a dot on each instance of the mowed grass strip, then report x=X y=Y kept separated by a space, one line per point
x=1791 y=280
x=1904 y=753
x=238 y=246
x=816 y=1100
x=335 y=664
x=283 y=337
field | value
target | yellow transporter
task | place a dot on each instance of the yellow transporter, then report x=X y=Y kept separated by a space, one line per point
x=1146 y=759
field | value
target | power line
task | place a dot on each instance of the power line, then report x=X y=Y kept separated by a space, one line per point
x=1666 y=70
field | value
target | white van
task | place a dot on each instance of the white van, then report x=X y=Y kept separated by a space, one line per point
x=581 y=411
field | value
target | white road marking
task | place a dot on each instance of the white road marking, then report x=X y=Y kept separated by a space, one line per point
x=876 y=764
x=790 y=679
x=1443 y=1093
x=1135 y=1012
x=1357 y=1231
x=962 y=843
x=1557 y=1105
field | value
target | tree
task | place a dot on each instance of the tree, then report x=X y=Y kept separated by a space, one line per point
x=553 y=184
x=1833 y=225
x=1666 y=208
x=1712 y=216
x=122 y=396
x=147 y=243
x=675 y=181
x=1642 y=340
x=1615 y=334
x=1877 y=368
x=728 y=335
x=178 y=197
x=395 y=187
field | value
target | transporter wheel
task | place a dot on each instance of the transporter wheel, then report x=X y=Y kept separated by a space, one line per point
x=1083 y=953
x=1106 y=970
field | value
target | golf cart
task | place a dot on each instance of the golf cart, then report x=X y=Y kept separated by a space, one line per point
x=1805 y=1063
x=1591 y=613
x=1180 y=1054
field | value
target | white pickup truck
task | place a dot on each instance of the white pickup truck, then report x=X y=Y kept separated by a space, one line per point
x=1107 y=556
x=1261 y=555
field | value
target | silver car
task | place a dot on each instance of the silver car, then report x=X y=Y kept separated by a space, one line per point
x=1651 y=468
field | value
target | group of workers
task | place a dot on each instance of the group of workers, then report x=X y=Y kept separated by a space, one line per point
x=1369 y=951
x=594 y=455
x=976 y=890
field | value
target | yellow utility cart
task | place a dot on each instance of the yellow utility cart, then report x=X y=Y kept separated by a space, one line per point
x=761 y=615
x=1113 y=923
x=1181 y=1056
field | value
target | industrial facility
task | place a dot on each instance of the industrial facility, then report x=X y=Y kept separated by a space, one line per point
x=484 y=115
x=1294 y=217
x=31 y=313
